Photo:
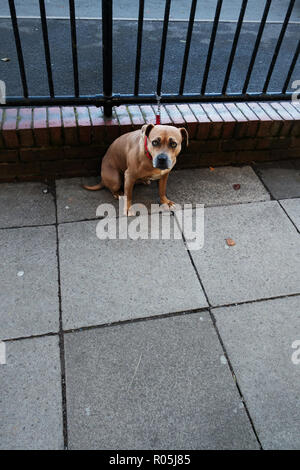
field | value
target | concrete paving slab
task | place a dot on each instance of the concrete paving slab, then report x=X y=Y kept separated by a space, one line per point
x=292 y=207
x=106 y=281
x=201 y=186
x=25 y=204
x=30 y=395
x=75 y=203
x=28 y=279
x=282 y=178
x=215 y=187
x=259 y=339
x=265 y=261
x=157 y=384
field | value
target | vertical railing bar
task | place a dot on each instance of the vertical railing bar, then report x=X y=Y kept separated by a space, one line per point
x=139 y=47
x=46 y=47
x=163 y=46
x=291 y=69
x=278 y=45
x=257 y=43
x=74 y=46
x=107 y=23
x=18 y=46
x=187 y=46
x=211 y=46
x=234 y=45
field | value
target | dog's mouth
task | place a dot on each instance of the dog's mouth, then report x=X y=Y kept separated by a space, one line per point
x=162 y=162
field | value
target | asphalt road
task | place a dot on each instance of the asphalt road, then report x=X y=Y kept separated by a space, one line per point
x=155 y=9
x=125 y=31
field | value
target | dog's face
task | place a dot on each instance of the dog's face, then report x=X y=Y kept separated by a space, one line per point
x=164 y=144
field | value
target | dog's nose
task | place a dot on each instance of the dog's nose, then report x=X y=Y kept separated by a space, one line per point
x=162 y=161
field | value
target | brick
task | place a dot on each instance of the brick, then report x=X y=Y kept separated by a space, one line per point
x=217 y=121
x=112 y=128
x=55 y=126
x=136 y=115
x=265 y=124
x=64 y=168
x=276 y=118
x=41 y=154
x=124 y=119
x=24 y=127
x=85 y=152
x=295 y=142
x=175 y=115
x=242 y=124
x=250 y=128
x=294 y=110
x=69 y=125
x=9 y=128
x=203 y=119
x=148 y=113
x=229 y=121
x=98 y=123
x=8 y=155
x=190 y=119
x=278 y=113
x=283 y=154
x=197 y=146
x=273 y=143
x=40 y=128
x=280 y=143
x=238 y=144
x=84 y=125
x=250 y=156
x=13 y=170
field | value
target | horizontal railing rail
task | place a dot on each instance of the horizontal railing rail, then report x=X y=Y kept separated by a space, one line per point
x=109 y=97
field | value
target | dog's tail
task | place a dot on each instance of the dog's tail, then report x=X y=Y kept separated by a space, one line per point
x=94 y=188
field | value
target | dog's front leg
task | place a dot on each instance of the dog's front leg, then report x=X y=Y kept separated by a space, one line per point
x=162 y=191
x=129 y=181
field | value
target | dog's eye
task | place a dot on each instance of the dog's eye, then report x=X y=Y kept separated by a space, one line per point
x=155 y=143
x=173 y=144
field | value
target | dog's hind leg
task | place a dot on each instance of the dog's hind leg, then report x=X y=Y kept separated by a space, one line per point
x=111 y=179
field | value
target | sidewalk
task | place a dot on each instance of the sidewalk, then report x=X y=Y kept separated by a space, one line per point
x=123 y=344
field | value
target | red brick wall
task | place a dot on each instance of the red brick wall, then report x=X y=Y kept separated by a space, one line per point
x=41 y=143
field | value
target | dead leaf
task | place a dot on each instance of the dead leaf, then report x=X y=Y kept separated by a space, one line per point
x=230 y=242
x=5 y=59
x=236 y=186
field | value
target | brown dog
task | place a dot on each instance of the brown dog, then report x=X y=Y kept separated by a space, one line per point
x=147 y=154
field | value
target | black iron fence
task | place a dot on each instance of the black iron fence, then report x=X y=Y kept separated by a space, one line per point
x=110 y=97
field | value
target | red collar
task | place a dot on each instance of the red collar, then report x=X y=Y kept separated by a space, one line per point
x=146 y=149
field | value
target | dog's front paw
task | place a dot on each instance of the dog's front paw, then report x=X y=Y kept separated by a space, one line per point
x=130 y=212
x=168 y=203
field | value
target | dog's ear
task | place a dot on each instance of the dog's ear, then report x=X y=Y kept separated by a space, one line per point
x=185 y=137
x=146 y=129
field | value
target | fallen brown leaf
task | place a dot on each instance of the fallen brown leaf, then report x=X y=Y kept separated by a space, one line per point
x=230 y=242
x=236 y=186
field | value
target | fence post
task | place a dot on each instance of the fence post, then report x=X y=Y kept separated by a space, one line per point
x=107 y=55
